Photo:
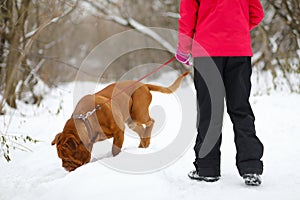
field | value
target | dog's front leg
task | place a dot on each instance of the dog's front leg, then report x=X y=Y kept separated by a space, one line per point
x=117 y=143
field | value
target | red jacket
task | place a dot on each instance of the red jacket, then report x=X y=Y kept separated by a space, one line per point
x=220 y=27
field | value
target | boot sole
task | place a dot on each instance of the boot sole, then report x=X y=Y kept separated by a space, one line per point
x=206 y=179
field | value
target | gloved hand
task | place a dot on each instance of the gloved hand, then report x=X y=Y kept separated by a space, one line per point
x=183 y=57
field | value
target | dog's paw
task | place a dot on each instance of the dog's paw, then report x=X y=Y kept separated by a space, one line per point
x=144 y=144
x=115 y=151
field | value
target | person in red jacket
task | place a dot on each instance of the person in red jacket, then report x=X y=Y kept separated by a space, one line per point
x=217 y=34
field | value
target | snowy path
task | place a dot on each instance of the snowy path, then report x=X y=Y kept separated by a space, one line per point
x=39 y=175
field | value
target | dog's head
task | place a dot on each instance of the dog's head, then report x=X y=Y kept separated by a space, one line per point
x=71 y=150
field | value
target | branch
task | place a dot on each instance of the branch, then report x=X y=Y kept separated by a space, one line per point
x=171 y=14
x=52 y=21
x=130 y=22
x=147 y=31
x=28 y=46
x=108 y=14
x=33 y=72
x=284 y=16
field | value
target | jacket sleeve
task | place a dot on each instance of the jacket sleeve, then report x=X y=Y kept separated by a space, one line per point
x=186 y=24
x=256 y=13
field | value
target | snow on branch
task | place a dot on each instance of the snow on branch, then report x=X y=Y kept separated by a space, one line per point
x=28 y=46
x=114 y=16
x=149 y=32
x=53 y=20
x=171 y=14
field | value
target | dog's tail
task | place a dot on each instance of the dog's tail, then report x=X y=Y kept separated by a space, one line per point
x=169 y=89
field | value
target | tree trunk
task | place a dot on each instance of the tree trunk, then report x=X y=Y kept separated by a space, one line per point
x=16 y=33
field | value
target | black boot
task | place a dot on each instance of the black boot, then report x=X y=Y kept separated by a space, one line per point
x=252 y=179
x=195 y=176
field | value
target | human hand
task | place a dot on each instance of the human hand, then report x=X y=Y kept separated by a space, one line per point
x=183 y=57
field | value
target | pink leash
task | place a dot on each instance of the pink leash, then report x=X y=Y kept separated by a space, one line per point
x=98 y=107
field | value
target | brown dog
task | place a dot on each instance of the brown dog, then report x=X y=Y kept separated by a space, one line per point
x=124 y=102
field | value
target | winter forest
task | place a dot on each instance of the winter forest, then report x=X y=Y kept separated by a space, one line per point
x=52 y=52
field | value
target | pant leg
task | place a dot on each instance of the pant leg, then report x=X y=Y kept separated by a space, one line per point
x=237 y=73
x=210 y=164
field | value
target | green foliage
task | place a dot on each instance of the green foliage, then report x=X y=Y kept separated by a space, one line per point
x=14 y=142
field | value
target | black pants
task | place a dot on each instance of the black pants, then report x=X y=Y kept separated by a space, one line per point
x=236 y=73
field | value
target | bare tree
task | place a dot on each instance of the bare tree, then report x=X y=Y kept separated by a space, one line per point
x=278 y=39
x=18 y=32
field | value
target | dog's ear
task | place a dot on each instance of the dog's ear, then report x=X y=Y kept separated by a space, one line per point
x=55 y=141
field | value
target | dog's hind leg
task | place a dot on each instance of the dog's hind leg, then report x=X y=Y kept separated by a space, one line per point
x=143 y=132
x=138 y=128
x=140 y=115
x=145 y=140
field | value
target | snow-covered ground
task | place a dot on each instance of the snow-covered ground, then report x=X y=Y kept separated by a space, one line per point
x=39 y=175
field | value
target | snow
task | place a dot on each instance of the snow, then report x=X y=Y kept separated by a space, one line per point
x=39 y=175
